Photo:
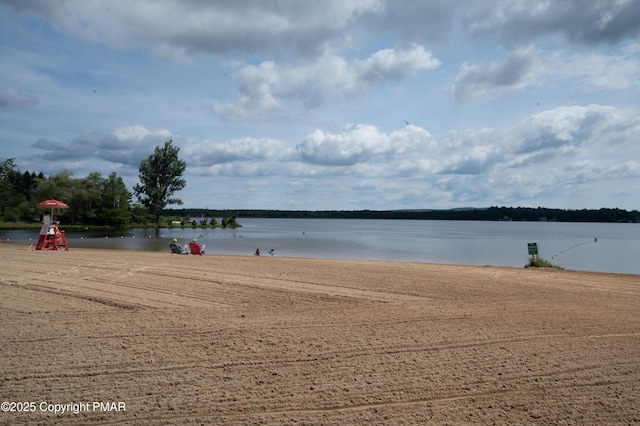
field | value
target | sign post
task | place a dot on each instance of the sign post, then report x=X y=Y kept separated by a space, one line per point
x=533 y=250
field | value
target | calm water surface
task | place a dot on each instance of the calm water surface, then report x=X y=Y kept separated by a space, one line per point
x=570 y=245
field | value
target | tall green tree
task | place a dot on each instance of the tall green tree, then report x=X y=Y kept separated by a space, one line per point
x=8 y=194
x=160 y=178
x=116 y=202
x=58 y=186
x=85 y=201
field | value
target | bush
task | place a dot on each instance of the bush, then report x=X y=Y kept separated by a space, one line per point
x=538 y=262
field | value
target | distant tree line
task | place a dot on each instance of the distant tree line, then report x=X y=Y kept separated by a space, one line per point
x=489 y=214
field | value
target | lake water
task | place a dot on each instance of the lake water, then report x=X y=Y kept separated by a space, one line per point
x=570 y=245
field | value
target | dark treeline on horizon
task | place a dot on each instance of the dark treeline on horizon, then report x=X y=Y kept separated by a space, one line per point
x=489 y=214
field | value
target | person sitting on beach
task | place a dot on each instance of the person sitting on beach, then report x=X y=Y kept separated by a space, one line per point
x=257 y=252
x=177 y=248
x=196 y=248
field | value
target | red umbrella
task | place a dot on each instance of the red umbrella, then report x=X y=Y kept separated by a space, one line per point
x=53 y=204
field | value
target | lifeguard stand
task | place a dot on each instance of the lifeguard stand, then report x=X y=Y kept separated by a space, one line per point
x=54 y=239
x=51 y=237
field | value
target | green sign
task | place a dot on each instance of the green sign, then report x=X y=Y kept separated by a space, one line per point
x=533 y=248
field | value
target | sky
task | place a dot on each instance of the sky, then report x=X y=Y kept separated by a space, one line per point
x=333 y=104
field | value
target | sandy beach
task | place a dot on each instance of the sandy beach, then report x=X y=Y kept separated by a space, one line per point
x=154 y=338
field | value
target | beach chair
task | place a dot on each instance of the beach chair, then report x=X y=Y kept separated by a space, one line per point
x=195 y=248
x=177 y=249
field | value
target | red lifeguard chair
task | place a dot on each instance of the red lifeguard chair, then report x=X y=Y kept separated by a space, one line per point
x=51 y=237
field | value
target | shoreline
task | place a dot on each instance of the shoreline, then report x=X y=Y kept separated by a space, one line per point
x=31 y=247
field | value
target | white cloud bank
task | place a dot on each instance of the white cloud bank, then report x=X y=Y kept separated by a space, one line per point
x=560 y=153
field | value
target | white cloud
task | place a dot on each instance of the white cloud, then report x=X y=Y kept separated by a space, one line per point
x=135 y=134
x=616 y=70
x=267 y=87
x=394 y=64
x=500 y=79
x=12 y=98
x=270 y=86
x=126 y=146
x=586 y=22
x=204 y=153
x=567 y=127
x=354 y=144
x=526 y=67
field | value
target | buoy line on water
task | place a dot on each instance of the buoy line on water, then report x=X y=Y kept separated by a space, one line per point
x=595 y=240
